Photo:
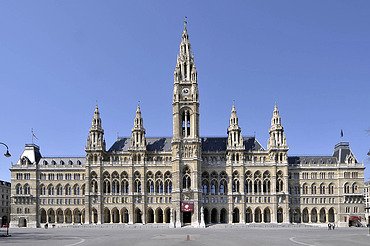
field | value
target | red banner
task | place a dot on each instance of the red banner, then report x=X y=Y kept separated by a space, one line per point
x=187 y=206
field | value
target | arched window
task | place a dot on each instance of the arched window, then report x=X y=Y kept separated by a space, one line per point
x=305 y=189
x=159 y=182
x=159 y=186
x=223 y=187
x=115 y=186
x=168 y=186
x=68 y=190
x=257 y=182
x=76 y=190
x=266 y=182
x=137 y=182
x=313 y=189
x=18 y=189
x=150 y=186
x=185 y=123
x=346 y=188
x=322 y=189
x=42 y=190
x=236 y=183
x=124 y=186
x=331 y=189
x=137 y=186
x=279 y=182
x=186 y=180
x=59 y=190
x=51 y=190
x=26 y=189
x=248 y=182
x=214 y=187
x=106 y=186
x=354 y=188
x=94 y=186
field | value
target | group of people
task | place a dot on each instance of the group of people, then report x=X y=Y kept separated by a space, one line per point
x=331 y=226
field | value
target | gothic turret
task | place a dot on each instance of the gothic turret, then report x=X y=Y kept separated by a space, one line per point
x=138 y=132
x=235 y=138
x=95 y=140
x=277 y=141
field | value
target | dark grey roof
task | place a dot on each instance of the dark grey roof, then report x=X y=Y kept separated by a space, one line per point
x=152 y=144
x=210 y=144
x=312 y=160
x=220 y=143
x=214 y=144
x=341 y=151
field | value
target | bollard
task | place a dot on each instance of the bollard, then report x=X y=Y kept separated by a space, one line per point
x=187 y=237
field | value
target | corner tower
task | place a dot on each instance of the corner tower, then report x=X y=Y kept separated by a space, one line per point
x=185 y=140
x=95 y=154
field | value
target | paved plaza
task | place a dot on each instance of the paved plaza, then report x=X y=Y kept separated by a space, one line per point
x=216 y=235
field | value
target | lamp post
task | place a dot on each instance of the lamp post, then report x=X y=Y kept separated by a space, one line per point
x=7 y=154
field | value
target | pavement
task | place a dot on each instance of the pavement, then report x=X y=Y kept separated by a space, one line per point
x=143 y=235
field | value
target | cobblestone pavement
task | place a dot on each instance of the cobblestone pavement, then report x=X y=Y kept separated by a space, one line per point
x=215 y=235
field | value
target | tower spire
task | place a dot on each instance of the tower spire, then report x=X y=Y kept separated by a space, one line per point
x=95 y=140
x=235 y=138
x=185 y=71
x=277 y=142
x=138 y=131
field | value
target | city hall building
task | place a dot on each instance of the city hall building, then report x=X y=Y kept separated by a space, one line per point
x=187 y=179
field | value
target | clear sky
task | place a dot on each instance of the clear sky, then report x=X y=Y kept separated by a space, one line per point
x=58 y=58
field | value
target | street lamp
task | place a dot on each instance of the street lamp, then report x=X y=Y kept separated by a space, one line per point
x=7 y=154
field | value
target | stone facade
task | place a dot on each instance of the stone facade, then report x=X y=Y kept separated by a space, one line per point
x=4 y=202
x=187 y=179
x=367 y=200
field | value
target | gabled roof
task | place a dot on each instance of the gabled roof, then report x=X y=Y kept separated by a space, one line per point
x=341 y=151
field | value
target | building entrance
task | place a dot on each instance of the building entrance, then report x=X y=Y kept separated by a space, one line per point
x=186 y=217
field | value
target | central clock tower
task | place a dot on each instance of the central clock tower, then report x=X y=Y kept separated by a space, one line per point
x=186 y=143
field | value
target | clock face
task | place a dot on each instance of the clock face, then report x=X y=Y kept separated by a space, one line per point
x=185 y=91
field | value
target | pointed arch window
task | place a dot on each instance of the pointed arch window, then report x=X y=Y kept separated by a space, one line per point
x=18 y=189
x=346 y=188
x=185 y=123
x=186 y=180
x=124 y=186
x=150 y=185
x=223 y=187
x=248 y=187
x=168 y=186
x=279 y=182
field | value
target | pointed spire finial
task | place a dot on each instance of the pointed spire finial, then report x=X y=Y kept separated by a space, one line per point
x=185 y=22
x=138 y=106
x=233 y=109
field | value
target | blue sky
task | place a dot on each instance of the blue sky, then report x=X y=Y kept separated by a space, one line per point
x=58 y=58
